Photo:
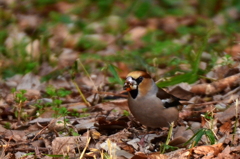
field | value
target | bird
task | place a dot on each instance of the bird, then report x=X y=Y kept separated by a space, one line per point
x=149 y=104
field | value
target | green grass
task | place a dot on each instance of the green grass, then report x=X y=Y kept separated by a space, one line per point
x=159 y=48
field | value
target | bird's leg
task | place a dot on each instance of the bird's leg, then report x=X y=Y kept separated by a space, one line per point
x=144 y=138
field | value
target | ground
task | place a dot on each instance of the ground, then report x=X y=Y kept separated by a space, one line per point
x=63 y=64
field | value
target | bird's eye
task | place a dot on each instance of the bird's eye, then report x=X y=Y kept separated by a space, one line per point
x=139 y=79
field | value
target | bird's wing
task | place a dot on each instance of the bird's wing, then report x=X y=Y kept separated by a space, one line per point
x=168 y=99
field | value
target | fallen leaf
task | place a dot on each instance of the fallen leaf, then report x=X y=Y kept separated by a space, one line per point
x=228 y=114
x=29 y=81
x=226 y=128
x=67 y=145
x=209 y=149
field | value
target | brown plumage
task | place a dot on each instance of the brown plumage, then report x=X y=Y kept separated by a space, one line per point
x=150 y=105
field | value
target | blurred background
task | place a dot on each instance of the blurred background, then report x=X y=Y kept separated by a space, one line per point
x=182 y=38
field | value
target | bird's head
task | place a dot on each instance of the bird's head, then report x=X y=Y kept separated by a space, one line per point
x=138 y=81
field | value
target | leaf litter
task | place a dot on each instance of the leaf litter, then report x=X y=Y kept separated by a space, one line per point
x=35 y=123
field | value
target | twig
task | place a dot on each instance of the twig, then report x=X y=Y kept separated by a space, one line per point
x=231 y=92
x=87 y=74
x=40 y=132
x=236 y=121
x=81 y=94
x=85 y=148
x=217 y=86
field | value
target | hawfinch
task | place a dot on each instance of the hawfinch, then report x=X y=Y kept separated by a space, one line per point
x=150 y=105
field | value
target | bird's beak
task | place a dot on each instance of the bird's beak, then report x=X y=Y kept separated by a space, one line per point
x=130 y=84
x=127 y=87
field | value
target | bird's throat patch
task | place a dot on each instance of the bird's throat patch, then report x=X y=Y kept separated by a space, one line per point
x=134 y=93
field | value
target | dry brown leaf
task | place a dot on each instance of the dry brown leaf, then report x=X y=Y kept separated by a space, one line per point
x=79 y=107
x=234 y=51
x=117 y=105
x=169 y=24
x=67 y=58
x=67 y=145
x=29 y=81
x=137 y=33
x=235 y=149
x=94 y=134
x=61 y=36
x=48 y=113
x=104 y=123
x=61 y=83
x=157 y=155
x=152 y=23
x=10 y=98
x=57 y=125
x=16 y=135
x=227 y=114
x=140 y=155
x=178 y=154
x=182 y=93
x=32 y=94
x=178 y=141
x=181 y=136
x=218 y=72
x=226 y=128
x=97 y=80
x=64 y=7
x=85 y=124
x=210 y=149
x=225 y=154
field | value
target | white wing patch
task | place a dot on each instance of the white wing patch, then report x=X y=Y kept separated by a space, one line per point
x=168 y=100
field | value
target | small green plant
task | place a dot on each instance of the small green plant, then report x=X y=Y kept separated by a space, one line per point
x=126 y=113
x=56 y=103
x=19 y=95
x=208 y=132
x=82 y=115
x=19 y=98
x=54 y=93
x=40 y=107
x=73 y=132
x=62 y=111
x=84 y=110
x=7 y=125
x=165 y=147
x=77 y=114
x=227 y=60
x=194 y=140
x=74 y=112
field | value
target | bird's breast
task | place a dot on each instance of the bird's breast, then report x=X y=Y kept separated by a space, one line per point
x=151 y=112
